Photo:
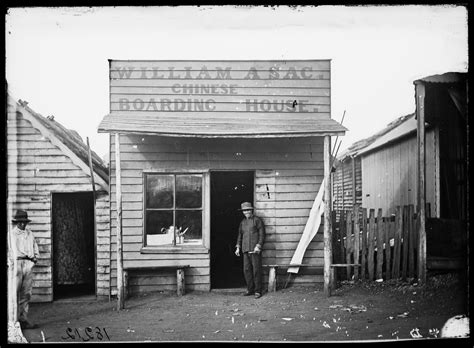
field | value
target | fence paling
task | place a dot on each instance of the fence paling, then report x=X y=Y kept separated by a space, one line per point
x=348 y=242
x=379 y=240
x=356 y=240
x=406 y=243
x=367 y=240
x=342 y=234
x=387 y=228
x=411 y=243
x=371 y=244
x=396 y=243
x=364 y=243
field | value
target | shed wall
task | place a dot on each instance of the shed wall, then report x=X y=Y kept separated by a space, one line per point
x=389 y=175
x=288 y=173
x=35 y=169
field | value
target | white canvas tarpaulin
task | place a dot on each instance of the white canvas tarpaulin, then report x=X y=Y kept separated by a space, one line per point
x=310 y=230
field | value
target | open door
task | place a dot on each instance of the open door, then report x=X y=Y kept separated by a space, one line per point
x=73 y=244
x=228 y=190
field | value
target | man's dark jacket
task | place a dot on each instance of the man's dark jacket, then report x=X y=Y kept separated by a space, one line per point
x=251 y=233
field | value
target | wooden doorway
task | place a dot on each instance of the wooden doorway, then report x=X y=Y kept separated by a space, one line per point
x=228 y=190
x=73 y=244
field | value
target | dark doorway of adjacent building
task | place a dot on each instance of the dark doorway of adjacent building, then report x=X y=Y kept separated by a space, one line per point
x=73 y=244
x=228 y=190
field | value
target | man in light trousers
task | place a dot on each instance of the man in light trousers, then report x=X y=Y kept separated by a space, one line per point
x=27 y=254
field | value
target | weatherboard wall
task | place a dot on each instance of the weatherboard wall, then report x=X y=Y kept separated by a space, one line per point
x=288 y=174
x=35 y=169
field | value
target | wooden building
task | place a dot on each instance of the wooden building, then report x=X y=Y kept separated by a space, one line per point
x=195 y=139
x=386 y=172
x=49 y=176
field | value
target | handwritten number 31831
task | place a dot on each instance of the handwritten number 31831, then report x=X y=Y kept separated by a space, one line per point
x=89 y=333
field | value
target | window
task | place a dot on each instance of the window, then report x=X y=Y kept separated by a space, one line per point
x=173 y=209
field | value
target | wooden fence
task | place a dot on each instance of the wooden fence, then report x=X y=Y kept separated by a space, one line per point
x=384 y=246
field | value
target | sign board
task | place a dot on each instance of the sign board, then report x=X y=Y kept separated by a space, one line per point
x=226 y=88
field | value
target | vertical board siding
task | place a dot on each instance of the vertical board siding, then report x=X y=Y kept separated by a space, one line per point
x=36 y=168
x=389 y=175
x=343 y=185
x=288 y=173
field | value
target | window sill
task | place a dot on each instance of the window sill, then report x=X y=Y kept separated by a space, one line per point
x=165 y=249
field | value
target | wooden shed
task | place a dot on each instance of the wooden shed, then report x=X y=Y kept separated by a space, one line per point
x=191 y=140
x=49 y=176
x=388 y=168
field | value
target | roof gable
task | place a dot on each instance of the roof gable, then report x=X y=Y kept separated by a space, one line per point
x=68 y=141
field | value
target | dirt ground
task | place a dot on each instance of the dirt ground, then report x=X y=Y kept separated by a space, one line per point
x=356 y=311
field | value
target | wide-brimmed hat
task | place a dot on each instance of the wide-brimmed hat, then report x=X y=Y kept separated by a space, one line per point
x=21 y=216
x=246 y=206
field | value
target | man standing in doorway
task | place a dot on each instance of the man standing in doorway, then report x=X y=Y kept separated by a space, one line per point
x=250 y=239
x=27 y=253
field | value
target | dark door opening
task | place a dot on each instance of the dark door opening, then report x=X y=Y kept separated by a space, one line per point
x=73 y=244
x=228 y=190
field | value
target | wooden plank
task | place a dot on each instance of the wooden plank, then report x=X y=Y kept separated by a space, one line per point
x=349 y=244
x=388 y=256
x=356 y=240
x=180 y=287
x=272 y=284
x=411 y=243
x=327 y=216
x=214 y=65
x=421 y=183
x=118 y=187
x=380 y=239
x=342 y=234
x=364 y=243
x=336 y=255
x=227 y=75
x=397 y=243
x=405 y=243
x=371 y=244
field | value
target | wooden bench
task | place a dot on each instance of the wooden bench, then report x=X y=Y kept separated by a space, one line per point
x=180 y=289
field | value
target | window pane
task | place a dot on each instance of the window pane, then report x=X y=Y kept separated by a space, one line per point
x=188 y=191
x=159 y=191
x=157 y=227
x=190 y=222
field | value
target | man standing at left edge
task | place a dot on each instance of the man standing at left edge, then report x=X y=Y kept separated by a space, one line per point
x=27 y=255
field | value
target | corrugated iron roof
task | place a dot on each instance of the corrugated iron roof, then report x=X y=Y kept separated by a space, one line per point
x=216 y=126
x=449 y=77
x=360 y=145
x=402 y=129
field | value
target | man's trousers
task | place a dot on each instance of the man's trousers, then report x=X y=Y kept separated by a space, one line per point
x=24 y=287
x=253 y=271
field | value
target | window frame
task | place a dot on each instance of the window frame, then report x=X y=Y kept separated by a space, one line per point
x=204 y=246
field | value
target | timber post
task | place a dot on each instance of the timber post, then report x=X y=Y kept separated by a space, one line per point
x=421 y=187
x=327 y=217
x=118 y=184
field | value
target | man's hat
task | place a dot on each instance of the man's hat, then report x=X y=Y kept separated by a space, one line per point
x=21 y=216
x=246 y=206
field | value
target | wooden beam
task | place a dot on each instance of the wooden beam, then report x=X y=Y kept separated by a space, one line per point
x=95 y=214
x=353 y=181
x=327 y=216
x=120 y=282
x=421 y=174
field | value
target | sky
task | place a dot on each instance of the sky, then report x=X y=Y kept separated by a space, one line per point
x=57 y=58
